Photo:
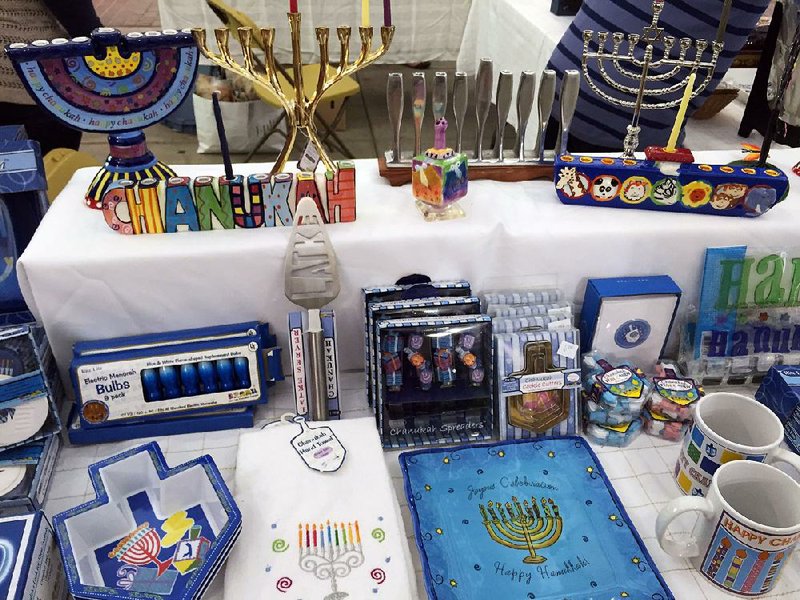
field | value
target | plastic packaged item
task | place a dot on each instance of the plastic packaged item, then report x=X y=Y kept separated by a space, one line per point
x=599 y=414
x=662 y=427
x=561 y=309
x=672 y=396
x=619 y=391
x=616 y=435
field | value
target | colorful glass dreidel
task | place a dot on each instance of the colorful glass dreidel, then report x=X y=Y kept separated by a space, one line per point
x=391 y=347
x=439 y=179
x=417 y=359
x=443 y=359
x=541 y=405
x=466 y=351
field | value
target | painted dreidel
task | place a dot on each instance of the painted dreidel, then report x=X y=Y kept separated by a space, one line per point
x=391 y=362
x=439 y=179
x=443 y=360
x=465 y=350
x=112 y=83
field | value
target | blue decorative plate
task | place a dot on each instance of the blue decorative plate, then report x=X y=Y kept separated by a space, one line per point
x=527 y=519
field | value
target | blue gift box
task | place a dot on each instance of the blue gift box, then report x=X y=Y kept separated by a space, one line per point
x=23 y=202
x=29 y=565
x=780 y=392
x=629 y=318
x=38 y=459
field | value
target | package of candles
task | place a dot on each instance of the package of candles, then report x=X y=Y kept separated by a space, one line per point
x=436 y=380
x=30 y=387
x=30 y=568
x=151 y=532
x=181 y=373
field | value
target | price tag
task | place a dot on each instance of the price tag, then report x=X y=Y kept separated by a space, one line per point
x=319 y=447
x=310 y=159
x=560 y=324
x=568 y=349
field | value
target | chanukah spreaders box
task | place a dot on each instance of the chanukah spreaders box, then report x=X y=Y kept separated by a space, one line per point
x=151 y=532
x=138 y=378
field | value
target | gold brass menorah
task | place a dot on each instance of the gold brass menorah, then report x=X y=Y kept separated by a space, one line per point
x=523 y=526
x=300 y=109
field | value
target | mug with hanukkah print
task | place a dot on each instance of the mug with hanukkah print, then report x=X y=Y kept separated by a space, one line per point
x=728 y=427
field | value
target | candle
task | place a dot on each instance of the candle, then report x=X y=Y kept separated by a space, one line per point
x=330 y=541
x=336 y=532
x=676 y=127
x=321 y=537
x=387 y=13
x=358 y=533
x=365 y=13
x=293 y=6
x=315 y=535
x=350 y=533
x=344 y=535
x=308 y=545
x=300 y=535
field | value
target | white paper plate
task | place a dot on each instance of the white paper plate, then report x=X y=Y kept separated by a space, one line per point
x=25 y=421
x=10 y=478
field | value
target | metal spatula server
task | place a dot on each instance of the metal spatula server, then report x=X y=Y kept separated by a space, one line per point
x=312 y=281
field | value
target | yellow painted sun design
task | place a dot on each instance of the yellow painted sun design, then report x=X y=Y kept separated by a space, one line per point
x=696 y=193
x=113 y=66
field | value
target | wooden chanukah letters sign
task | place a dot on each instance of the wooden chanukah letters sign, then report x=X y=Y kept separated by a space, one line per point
x=205 y=202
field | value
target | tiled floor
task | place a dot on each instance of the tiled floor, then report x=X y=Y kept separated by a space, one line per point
x=640 y=474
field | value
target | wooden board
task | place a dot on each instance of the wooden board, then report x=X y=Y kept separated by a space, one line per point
x=510 y=172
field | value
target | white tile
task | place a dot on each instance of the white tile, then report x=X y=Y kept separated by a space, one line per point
x=175 y=459
x=189 y=442
x=644 y=519
x=631 y=492
x=645 y=460
x=220 y=439
x=615 y=465
x=68 y=483
x=666 y=562
x=683 y=585
x=641 y=441
x=225 y=458
x=710 y=591
x=53 y=506
x=660 y=487
x=669 y=455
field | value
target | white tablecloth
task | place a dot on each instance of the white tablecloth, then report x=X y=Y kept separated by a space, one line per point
x=424 y=30
x=85 y=281
x=519 y=35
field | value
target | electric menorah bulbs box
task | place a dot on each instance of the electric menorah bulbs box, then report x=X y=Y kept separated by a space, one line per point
x=189 y=372
x=401 y=309
x=23 y=203
x=629 y=318
x=30 y=567
x=436 y=380
x=780 y=392
x=30 y=387
x=25 y=474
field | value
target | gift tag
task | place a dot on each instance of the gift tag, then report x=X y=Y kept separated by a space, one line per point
x=310 y=159
x=568 y=349
x=319 y=447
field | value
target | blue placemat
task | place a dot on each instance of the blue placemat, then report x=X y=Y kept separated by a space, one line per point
x=528 y=519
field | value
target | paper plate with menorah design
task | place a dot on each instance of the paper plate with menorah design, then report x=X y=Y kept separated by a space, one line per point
x=115 y=84
x=528 y=519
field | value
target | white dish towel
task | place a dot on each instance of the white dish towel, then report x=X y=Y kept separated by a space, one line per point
x=352 y=515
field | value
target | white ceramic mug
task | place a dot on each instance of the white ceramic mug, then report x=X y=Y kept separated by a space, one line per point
x=728 y=427
x=748 y=526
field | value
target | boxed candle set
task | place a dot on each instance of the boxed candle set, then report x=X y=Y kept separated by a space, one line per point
x=171 y=379
x=301 y=387
x=25 y=474
x=398 y=309
x=151 y=532
x=780 y=392
x=30 y=388
x=436 y=380
x=559 y=308
x=30 y=568
x=629 y=318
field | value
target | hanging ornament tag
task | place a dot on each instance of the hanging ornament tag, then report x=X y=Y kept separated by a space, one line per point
x=319 y=447
x=310 y=159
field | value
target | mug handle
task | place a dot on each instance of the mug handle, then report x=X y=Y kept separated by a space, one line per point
x=676 y=507
x=782 y=455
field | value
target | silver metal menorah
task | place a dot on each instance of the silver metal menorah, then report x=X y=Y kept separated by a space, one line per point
x=644 y=76
x=331 y=552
